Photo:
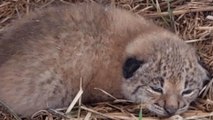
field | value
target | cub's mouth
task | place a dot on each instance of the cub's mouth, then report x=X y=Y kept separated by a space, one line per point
x=172 y=104
x=166 y=111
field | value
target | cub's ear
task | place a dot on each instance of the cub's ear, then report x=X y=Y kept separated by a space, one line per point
x=130 y=66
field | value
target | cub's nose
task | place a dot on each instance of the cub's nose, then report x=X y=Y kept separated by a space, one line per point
x=170 y=110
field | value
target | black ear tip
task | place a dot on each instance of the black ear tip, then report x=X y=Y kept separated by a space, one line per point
x=130 y=66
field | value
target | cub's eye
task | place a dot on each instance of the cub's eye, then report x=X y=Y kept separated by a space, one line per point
x=159 y=90
x=187 y=92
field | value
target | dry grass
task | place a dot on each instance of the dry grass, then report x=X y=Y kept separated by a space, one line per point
x=190 y=19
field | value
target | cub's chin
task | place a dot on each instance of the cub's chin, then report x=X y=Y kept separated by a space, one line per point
x=160 y=111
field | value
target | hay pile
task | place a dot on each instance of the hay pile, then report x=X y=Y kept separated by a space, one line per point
x=190 y=19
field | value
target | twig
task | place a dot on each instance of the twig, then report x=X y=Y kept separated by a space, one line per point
x=65 y=2
x=5 y=19
x=199 y=116
x=209 y=17
x=106 y=93
x=4 y=4
x=59 y=113
x=36 y=113
x=28 y=7
x=80 y=92
x=179 y=12
x=18 y=13
x=98 y=113
x=87 y=117
x=195 y=40
x=80 y=99
x=10 y=110
x=207 y=88
x=205 y=28
x=45 y=5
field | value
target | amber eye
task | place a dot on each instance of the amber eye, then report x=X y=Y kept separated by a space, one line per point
x=187 y=92
x=159 y=90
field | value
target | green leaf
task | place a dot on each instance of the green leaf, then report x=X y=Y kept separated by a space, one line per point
x=140 y=114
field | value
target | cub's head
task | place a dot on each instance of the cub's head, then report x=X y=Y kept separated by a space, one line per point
x=163 y=72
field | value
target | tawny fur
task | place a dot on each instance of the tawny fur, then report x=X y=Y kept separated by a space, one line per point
x=44 y=55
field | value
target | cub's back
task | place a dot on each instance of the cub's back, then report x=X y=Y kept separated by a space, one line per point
x=44 y=55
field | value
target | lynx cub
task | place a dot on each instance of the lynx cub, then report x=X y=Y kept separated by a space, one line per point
x=44 y=55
